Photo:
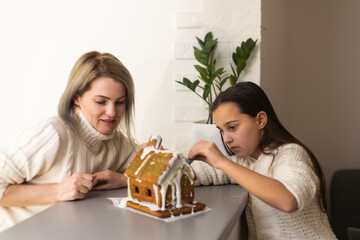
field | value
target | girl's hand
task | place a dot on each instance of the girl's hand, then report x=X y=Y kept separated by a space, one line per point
x=108 y=179
x=207 y=152
x=74 y=187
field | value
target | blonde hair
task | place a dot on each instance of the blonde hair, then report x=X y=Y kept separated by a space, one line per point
x=87 y=68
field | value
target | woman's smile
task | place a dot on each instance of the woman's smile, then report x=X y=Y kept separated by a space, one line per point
x=108 y=121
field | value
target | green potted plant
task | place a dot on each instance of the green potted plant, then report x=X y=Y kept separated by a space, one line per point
x=214 y=78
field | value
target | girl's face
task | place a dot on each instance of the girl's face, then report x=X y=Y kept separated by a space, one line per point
x=103 y=104
x=241 y=132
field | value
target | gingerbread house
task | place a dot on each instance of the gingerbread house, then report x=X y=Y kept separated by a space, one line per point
x=161 y=182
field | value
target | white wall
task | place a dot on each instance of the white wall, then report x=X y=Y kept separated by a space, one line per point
x=41 y=40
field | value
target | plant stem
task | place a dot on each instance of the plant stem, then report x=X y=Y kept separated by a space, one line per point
x=210 y=117
x=202 y=98
x=214 y=90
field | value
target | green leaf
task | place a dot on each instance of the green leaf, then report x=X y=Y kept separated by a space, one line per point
x=208 y=37
x=201 y=43
x=243 y=46
x=191 y=85
x=212 y=69
x=187 y=82
x=220 y=71
x=235 y=58
x=203 y=73
x=213 y=72
x=246 y=54
x=239 y=53
x=232 y=80
x=217 y=85
x=211 y=79
x=210 y=45
x=232 y=69
x=200 y=56
x=207 y=90
x=180 y=83
x=195 y=84
x=241 y=65
x=224 y=81
x=250 y=44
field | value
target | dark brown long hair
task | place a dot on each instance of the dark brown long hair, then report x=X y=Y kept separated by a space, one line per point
x=251 y=99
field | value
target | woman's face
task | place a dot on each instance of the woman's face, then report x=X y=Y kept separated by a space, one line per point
x=103 y=104
x=241 y=132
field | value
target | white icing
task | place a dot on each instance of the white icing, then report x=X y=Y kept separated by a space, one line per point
x=142 y=164
x=123 y=202
x=158 y=140
x=192 y=213
x=173 y=193
x=129 y=190
x=163 y=196
x=145 y=152
x=151 y=206
x=172 y=176
x=156 y=194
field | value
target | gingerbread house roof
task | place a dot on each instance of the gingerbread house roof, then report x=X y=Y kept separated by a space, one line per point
x=153 y=165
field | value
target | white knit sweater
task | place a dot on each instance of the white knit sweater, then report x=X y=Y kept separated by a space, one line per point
x=50 y=153
x=293 y=168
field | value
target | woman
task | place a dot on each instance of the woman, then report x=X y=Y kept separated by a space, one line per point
x=82 y=149
x=284 y=180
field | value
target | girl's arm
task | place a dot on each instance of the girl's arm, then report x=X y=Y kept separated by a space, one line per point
x=270 y=191
x=74 y=187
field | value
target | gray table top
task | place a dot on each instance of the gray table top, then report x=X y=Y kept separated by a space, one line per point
x=96 y=218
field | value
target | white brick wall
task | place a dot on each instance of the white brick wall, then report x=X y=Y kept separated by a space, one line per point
x=231 y=22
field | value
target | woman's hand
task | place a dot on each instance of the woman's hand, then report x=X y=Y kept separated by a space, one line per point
x=74 y=187
x=207 y=152
x=108 y=179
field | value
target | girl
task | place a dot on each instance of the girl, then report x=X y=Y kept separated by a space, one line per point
x=284 y=180
x=82 y=149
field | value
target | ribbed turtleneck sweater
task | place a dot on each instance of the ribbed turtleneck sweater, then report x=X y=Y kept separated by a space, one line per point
x=50 y=153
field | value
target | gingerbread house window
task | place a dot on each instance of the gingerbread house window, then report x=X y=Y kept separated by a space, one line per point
x=148 y=192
